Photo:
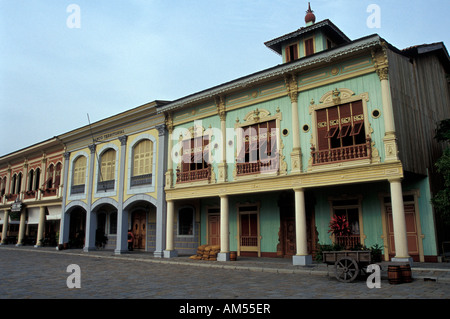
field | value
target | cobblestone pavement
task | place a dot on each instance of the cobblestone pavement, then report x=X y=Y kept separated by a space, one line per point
x=30 y=273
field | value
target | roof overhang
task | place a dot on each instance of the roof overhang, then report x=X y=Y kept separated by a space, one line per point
x=273 y=73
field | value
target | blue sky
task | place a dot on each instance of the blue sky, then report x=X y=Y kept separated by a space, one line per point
x=128 y=53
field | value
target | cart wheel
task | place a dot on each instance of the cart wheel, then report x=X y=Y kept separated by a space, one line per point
x=346 y=269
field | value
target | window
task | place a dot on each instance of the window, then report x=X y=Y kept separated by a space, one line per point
x=195 y=160
x=49 y=183
x=3 y=186
x=309 y=46
x=79 y=175
x=107 y=170
x=258 y=150
x=186 y=221
x=291 y=52
x=340 y=134
x=350 y=210
x=142 y=163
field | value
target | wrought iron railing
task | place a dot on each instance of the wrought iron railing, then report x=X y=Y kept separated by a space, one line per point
x=141 y=180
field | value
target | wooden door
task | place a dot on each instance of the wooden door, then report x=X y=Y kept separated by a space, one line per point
x=288 y=237
x=249 y=240
x=411 y=231
x=214 y=229
x=139 y=229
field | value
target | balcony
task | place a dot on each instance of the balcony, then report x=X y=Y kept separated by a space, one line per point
x=256 y=167
x=141 y=180
x=203 y=174
x=341 y=154
x=106 y=185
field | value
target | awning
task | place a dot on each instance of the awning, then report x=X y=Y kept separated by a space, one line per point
x=54 y=212
x=33 y=215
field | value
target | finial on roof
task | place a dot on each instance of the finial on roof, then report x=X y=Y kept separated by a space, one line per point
x=310 y=18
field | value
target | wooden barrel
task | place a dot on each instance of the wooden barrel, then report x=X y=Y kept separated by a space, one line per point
x=232 y=256
x=394 y=275
x=406 y=273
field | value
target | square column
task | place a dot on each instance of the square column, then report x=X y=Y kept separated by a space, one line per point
x=122 y=232
x=224 y=254
x=301 y=258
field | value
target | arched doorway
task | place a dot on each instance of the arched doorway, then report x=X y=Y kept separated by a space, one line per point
x=106 y=231
x=77 y=228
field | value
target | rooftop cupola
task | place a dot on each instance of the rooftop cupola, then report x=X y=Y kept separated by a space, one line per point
x=310 y=18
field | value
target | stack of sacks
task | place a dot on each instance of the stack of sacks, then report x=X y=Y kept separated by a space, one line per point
x=206 y=252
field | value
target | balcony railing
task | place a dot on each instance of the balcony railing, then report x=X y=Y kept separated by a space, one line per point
x=194 y=175
x=256 y=167
x=141 y=180
x=341 y=154
x=349 y=241
x=105 y=185
x=77 y=189
x=249 y=241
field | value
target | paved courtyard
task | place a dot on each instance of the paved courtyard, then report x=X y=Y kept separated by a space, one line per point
x=33 y=273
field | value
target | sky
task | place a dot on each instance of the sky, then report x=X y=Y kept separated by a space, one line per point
x=61 y=63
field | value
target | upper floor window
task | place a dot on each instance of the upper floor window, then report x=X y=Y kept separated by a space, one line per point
x=309 y=46
x=258 y=149
x=3 y=186
x=106 y=179
x=79 y=175
x=195 y=160
x=341 y=134
x=142 y=163
x=291 y=52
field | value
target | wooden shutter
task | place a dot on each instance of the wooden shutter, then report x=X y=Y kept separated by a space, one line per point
x=322 y=129
x=309 y=47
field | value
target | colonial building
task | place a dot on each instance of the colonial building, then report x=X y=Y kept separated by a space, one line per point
x=112 y=183
x=31 y=194
x=260 y=165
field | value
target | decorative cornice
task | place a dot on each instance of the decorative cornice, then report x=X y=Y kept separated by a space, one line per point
x=276 y=72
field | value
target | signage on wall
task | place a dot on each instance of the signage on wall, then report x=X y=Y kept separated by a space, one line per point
x=16 y=206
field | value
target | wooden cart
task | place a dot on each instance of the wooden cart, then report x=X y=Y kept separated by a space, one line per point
x=348 y=264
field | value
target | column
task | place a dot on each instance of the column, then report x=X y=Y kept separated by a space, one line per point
x=122 y=216
x=91 y=221
x=5 y=228
x=390 y=140
x=22 y=226
x=222 y=167
x=65 y=218
x=161 y=195
x=170 y=251
x=169 y=173
x=41 y=226
x=224 y=254
x=292 y=88
x=399 y=222
x=122 y=232
x=301 y=258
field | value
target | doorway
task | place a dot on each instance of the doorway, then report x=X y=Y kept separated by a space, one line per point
x=248 y=230
x=138 y=222
x=214 y=226
x=411 y=230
